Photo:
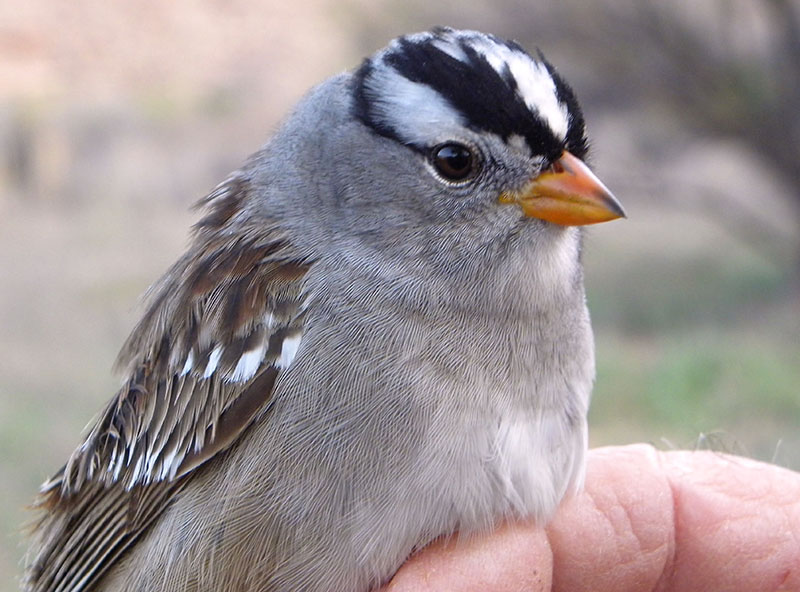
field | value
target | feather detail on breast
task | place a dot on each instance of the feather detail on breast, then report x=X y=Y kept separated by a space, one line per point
x=201 y=364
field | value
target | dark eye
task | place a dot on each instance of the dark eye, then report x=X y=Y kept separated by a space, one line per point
x=454 y=162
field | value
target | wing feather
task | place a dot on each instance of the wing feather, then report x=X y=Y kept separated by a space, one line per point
x=201 y=365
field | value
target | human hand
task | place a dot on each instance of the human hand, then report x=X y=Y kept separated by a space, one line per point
x=646 y=520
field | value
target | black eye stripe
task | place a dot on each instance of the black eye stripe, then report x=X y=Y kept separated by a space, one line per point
x=486 y=97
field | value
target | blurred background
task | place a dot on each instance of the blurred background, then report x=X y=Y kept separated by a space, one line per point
x=115 y=117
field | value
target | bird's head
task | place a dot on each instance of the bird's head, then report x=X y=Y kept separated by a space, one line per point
x=446 y=133
x=488 y=122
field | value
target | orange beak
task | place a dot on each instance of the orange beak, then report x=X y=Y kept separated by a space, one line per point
x=568 y=193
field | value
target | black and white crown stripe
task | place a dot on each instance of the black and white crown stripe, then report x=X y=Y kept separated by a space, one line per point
x=445 y=80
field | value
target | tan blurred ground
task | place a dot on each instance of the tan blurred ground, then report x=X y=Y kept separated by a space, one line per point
x=115 y=117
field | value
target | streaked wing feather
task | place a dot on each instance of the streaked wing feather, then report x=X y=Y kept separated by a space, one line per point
x=227 y=428
x=201 y=365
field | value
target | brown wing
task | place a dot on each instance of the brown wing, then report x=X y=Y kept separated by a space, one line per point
x=202 y=362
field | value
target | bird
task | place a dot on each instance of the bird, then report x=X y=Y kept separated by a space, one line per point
x=377 y=337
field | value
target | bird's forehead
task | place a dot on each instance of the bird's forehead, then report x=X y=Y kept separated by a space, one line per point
x=446 y=79
x=530 y=79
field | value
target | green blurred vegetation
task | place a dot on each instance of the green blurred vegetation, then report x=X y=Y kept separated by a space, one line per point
x=702 y=352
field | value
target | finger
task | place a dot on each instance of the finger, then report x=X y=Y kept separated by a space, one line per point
x=617 y=534
x=678 y=521
x=647 y=520
x=737 y=524
x=513 y=558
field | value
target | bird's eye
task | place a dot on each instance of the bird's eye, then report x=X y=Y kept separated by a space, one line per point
x=454 y=162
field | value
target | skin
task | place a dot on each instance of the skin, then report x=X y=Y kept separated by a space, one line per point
x=646 y=521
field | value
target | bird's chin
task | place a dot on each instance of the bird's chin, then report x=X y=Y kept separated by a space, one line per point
x=538 y=231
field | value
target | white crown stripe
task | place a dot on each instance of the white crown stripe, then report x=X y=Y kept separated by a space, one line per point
x=412 y=109
x=535 y=85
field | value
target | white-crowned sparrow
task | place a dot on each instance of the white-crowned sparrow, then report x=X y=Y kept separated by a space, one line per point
x=377 y=336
